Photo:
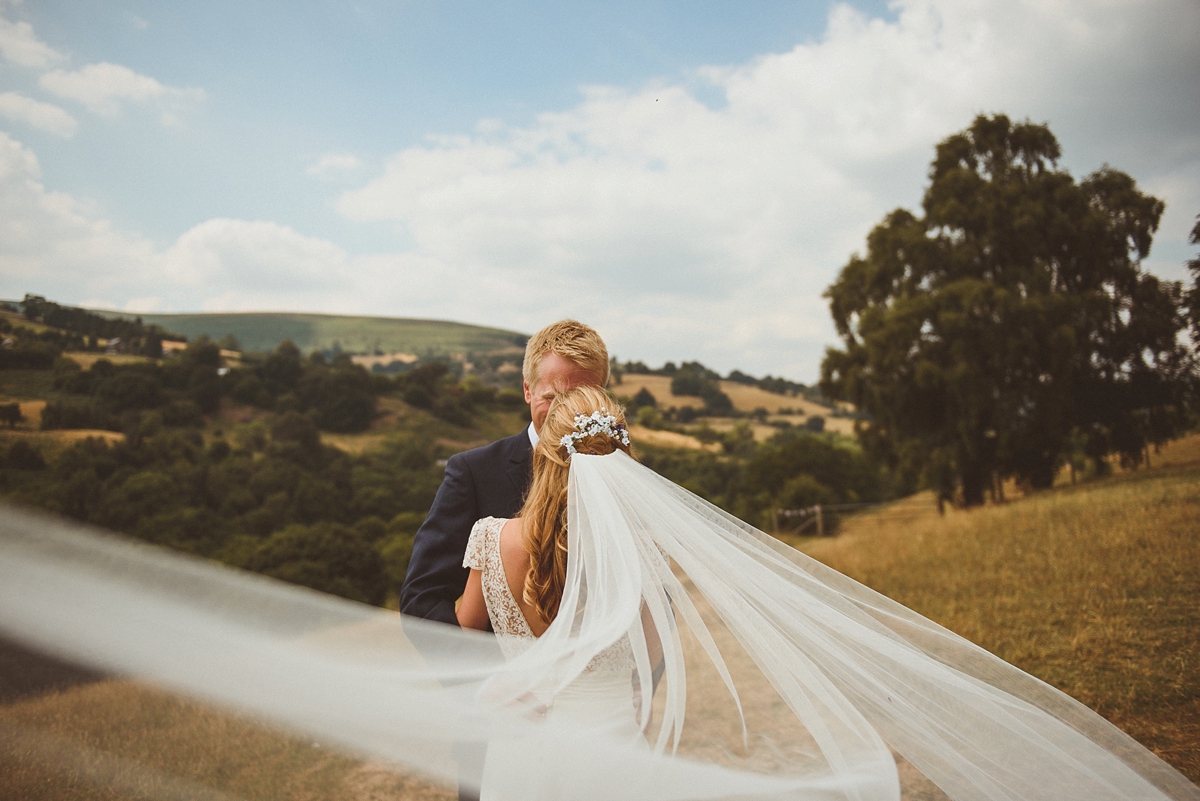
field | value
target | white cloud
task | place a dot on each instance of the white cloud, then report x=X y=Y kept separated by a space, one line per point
x=53 y=244
x=333 y=165
x=20 y=46
x=680 y=228
x=43 y=116
x=58 y=246
x=690 y=230
x=104 y=87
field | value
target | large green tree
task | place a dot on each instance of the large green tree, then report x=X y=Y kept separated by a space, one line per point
x=1012 y=322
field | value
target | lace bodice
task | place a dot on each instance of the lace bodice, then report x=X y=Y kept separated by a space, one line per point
x=509 y=623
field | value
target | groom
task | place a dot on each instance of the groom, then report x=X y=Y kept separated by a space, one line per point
x=491 y=481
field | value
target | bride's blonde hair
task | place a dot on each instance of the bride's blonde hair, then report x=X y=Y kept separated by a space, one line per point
x=544 y=515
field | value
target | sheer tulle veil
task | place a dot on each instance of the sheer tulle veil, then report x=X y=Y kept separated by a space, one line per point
x=760 y=672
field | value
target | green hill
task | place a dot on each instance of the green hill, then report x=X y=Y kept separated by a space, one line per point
x=262 y=331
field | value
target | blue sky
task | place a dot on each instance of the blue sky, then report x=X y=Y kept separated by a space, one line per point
x=686 y=176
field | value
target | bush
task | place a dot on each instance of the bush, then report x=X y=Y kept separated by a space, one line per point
x=23 y=456
x=644 y=398
x=10 y=413
x=326 y=556
x=130 y=389
x=78 y=414
x=29 y=355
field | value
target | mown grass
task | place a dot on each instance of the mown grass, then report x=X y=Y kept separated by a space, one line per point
x=1093 y=588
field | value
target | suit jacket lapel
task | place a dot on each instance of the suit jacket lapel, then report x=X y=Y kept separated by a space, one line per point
x=520 y=454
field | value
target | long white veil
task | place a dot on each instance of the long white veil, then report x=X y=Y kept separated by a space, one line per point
x=780 y=678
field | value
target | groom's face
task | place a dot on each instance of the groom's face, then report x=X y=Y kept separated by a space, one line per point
x=555 y=374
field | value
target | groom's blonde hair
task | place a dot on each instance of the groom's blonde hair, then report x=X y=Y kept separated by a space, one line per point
x=574 y=341
x=544 y=515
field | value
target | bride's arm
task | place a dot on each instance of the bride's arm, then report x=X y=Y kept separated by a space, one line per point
x=472 y=611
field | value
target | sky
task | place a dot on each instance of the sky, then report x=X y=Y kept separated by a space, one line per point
x=687 y=177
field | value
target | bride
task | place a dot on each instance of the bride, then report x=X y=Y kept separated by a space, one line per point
x=651 y=646
x=606 y=554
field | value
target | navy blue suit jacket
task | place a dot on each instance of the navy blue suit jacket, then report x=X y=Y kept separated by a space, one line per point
x=484 y=482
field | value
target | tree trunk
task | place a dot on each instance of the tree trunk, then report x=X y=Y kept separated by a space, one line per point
x=973 y=484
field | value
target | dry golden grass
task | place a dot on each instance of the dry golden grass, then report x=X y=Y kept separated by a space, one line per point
x=86 y=359
x=119 y=740
x=354 y=443
x=745 y=399
x=669 y=439
x=761 y=432
x=18 y=319
x=51 y=443
x=659 y=386
x=1093 y=588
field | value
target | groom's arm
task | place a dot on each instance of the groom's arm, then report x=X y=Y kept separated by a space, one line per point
x=436 y=576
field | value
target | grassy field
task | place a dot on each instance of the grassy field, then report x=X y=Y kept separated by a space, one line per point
x=262 y=331
x=745 y=399
x=1093 y=588
x=118 y=740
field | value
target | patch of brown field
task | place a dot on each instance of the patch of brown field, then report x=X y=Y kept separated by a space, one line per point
x=669 y=439
x=458 y=445
x=86 y=359
x=659 y=386
x=353 y=443
x=747 y=398
x=52 y=443
x=18 y=319
x=31 y=411
x=761 y=432
x=1092 y=588
x=118 y=739
x=1179 y=453
x=369 y=361
x=389 y=412
x=1182 y=452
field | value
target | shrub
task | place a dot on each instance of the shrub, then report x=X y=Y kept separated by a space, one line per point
x=326 y=556
x=23 y=456
x=78 y=414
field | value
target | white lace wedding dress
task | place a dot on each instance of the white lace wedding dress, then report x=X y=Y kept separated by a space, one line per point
x=600 y=699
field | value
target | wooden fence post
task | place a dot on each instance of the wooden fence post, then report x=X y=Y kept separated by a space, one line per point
x=820 y=522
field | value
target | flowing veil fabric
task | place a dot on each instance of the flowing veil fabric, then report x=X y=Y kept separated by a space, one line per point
x=780 y=678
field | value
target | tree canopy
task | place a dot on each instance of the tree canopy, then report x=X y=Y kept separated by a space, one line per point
x=1011 y=325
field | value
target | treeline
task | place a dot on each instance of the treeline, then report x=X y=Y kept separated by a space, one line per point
x=268 y=497
x=696 y=380
x=794 y=469
x=23 y=348
x=338 y=396
x=89 y=331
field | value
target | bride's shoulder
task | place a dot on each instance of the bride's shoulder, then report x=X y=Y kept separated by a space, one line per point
x=511 y=541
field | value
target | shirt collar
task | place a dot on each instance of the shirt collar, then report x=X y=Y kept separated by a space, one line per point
x=533 y=435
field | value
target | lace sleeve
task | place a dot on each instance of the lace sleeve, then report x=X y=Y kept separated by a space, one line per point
x=473 y=558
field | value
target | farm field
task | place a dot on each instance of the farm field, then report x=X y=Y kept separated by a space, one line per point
x=115 y=739
x=262 y=331
x=1092 y=588
x=745 y=399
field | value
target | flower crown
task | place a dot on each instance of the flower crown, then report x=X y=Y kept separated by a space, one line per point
x=600 y=422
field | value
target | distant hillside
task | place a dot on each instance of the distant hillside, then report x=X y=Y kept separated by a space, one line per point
x=262 y=331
